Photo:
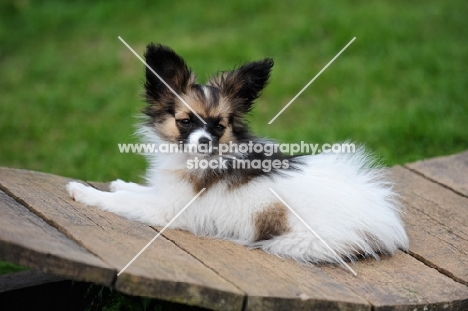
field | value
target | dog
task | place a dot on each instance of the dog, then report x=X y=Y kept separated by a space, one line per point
x=345 y=198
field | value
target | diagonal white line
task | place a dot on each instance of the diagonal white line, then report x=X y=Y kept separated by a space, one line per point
x=315 y=233
x=310 y=82
x=156 y=74
x=160 y=232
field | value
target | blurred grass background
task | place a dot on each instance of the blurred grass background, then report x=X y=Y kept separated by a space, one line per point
x=69 y=89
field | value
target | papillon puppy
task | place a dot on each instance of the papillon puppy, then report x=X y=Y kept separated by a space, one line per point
x=347 y=201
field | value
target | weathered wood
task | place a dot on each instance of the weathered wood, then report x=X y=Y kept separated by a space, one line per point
x=451 y=171
x=394 y=283
x=28 y=278
x=402 y=282
x=27 y=240
x=437 y=223
x=216 y=274
x=271 y=283
x=163 y=271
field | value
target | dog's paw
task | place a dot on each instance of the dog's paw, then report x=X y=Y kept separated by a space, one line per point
x=117 y=185
x=81 y=193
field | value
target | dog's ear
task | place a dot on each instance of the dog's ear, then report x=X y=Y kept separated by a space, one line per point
x=171 y=68
x=244 y=84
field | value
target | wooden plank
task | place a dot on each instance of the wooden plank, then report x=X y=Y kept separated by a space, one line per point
x=28 y=278
x=27 y=240
x=395 y=283
x=451 y=171
x=145 y=285
x=437 y=223
x=402 y=282
x=163 y=271
x=271 y=283
x=436 y=218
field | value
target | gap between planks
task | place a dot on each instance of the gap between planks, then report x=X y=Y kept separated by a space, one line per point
x=105 y=187
x=59 y=228
x=412 y=170
x=204 y=264
x=409 y=176
x=423 y=259
x=193 y=284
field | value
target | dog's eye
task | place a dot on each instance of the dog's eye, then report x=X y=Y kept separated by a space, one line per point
x=185 y=122
x=219 y=127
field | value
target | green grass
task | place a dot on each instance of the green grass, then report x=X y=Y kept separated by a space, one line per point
x=69 y=89
x=7 y=267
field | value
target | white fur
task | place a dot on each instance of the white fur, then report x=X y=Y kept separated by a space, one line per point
x=350 y=205
x=196 y=135
x=207 y=92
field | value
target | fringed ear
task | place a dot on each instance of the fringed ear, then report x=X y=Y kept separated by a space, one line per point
x=244 y=84
x=172 y=69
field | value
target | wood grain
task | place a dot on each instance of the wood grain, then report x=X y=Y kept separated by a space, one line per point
x=222 y=275
x=437 y=223
x=271 y=283
x=163 y=271
x=402 y=282
x=27 y=240
x=451 y=171
x=393 y=283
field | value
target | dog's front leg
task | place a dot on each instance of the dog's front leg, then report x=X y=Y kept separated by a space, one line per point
x=140 y=206
x=119 y=184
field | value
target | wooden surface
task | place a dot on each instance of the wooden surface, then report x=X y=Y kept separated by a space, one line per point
x=42 y=228
x=450 y=171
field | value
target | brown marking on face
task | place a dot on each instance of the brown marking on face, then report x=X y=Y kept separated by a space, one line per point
x=227 y=136
x=180 y=115
x=212 y=105
x=224 y=121
x=167 y=126
x=221 y=108
x=167 y=129
x=206 y=108
x=271 y=222
x=195 y=102
x=223 y=112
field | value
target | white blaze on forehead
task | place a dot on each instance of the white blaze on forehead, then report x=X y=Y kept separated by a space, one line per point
x=196 y=135
x=206 y=91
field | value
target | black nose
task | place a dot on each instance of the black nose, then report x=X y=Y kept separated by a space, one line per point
x=204 y=140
